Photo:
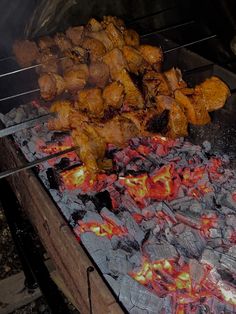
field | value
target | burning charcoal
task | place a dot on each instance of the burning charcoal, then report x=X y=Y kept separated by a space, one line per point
x=206 y=146
x=228 y=201
x=136 y=259
x=197 y=272
x=231 y=221
x=182 y=203
x=58 y=136
x=160 y=251
x=118 y=262
x=179 y=228
x=136 y=310
x=63 y=164
x=113 y=283
x=229 y=263
x=133 y=228
x=102 y=199
x=128 y=203
x=232 y=251
x=215 y=233
x=128 y=245
x=78 y=215
x=150 y=211
x=192 y=241
x=94 y=243
x=100 y=259
x=109 y=216
x=148 y=224
x=20 y=115
x=92 y=217
x=53 y=178
x=210 y=257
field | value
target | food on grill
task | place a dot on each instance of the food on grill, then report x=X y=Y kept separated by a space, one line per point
x=131 y=38
x=75 y=34
x=26 y=52
x=153 y=55
x=113 y=95
x=51 y=85
x=90 y=101
x=62 y=42
x=95 y=47
x=116 y=62
x=76 y=79
x=99 y=74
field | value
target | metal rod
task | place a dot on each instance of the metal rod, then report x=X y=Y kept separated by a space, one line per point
x=26 y=124
x=161 y=30
x=20 y=94
x=7 y=58
x=190 y=44
x=37 y=162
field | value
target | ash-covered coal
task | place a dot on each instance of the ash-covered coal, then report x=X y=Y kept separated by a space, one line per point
x=161 y=226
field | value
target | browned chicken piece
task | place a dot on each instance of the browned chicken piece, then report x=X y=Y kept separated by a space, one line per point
x=116 y=62
x=131 y=38
x=76 y=79
x=174 y=79
x=75 y=34
x=153 y=55
x=115 y=36
x=99 y=74
x=64 y=111
x=178 y=124
x=62 y=42
x=90 y=101
x=26 y=52
x=113 y=95
x=78 y=55
x=133 y=97
x=66 y=64
x=115 y=21
x=51 y=85
x=103 y=37
x=133 y=58
x=95 y=47
x=154 y=84
x=49 y=62
x=93 y=26
x=195 y=110
x=212 y=93
x=46 y=42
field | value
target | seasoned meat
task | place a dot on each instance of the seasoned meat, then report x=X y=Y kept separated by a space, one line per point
x=90 y=101
x=115 y=21
x=116 y=62
x=62 y=42
x=78 y=55
x=115 y=36
x=174 y=79
x=131 y=38
x=95 y=47
x=153 y=55
x=212 y=93
x=64 y=109
x=51 y=85
x=49 y=62
x=93 y=26
x=113 y=95
x=103 y=37
x=76 y=79
x=133 y=58
x=75 y=34
x=98 y=74
x=26 y=52
x=46 y=42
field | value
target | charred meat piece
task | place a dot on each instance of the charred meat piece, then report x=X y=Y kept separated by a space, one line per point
x=133 y=58
x=212 y=93
x=113 y=95
x=98 y=74
x=51 y=85
x=62 y=42
x=75 y=34
x=26 y=52
x=76 y=79
x=116 y=62
x=90 y=101
x=153 y=55
x=95 y=48
x=78 y=54
x=158 y=123
x=46 y=42
x=131 y=38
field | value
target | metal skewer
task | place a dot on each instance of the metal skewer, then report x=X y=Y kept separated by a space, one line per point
x=37 y=162
x=20 y=94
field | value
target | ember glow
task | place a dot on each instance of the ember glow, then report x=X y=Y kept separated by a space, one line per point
x=52 y=148
x=77 y=178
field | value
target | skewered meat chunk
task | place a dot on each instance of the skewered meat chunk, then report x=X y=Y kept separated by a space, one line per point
x=62 y=42
x=119 y=23
x=76 y=79
x=116 y=62
x=131 y=38
x=178 y=124
x=98 y=74
x=46 y=42
x=195 y=110
x=51 y=85
x=75 y=34
x=153 y=55
x=78 y=54
x=64 y=110
x=103 y=37
x=49 y=62
x=90 y=101
x=134 y=58
x=95 y=47
x=174 y=79
x=26 y=52
x=115 y=36
x=133 y=97
x=93 y=26
x=212 y=93
x=113 y=95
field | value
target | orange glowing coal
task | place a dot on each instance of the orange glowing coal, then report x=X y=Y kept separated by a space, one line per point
x=52 y=148
x=191 y=177
x=105 y=229
x=77 y=178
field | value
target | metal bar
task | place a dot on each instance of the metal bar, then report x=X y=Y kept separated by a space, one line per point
x=198 y=69
x=190 y=44
x=161 y=30
x=26 y=124
x=20 y=94
x=37 y=162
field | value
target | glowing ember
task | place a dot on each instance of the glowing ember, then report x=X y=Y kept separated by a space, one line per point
x=136 y=186
x=77 y=178
x=208 y=222
x=191 y=177
x=52 y=148
x=105 y=229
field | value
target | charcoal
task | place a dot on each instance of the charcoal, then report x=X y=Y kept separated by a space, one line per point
x=228 y=262
x=92 y=217
x=63 y=163
x=136 y=259
x=231 y=221
x=118 y=262
x=210 y=257
x=148 y=224
x=228 y=201
x=227 y=232
x=150 y=211
x=100 y=258
x=214 y=233
x=94 y=243
x=77 y=215
x=129 y=204
x=128 y=245
x=232 y=251
x=197 y=271
x=179 y=228
x=192 y=241
x=160 y=251
x=108 y=215
x=113 y=283
x=136 y=310
x=182 y=203
x=133 y=228
x=53 y=179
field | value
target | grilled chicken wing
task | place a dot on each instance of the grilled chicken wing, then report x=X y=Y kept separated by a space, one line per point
x=62 y=42
x=131 y=38
x=153 y=55
x=26 y=52
x=99 y=74
x=113 y=95
x=102 y=37
x=51 y=85
x=116 y=62
x=174 y=79
x=49 y=62
x=90 y=101
x=93 y=26
x=119 y=23
x=115 y=35
x=75 y=34
x=133 y=58
x=46 y=42
x=64 y=110
x=76 y=79
x=95 y=47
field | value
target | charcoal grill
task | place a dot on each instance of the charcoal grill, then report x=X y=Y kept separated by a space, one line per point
x=163 y=24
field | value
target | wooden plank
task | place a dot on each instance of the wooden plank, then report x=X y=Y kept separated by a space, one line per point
x=14 y=295
x=68 y=256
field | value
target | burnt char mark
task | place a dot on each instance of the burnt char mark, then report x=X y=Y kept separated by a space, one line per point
x=63 y=164
x=138 y=82
x=158 y=123
x=53 y=179
x=100 y=200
